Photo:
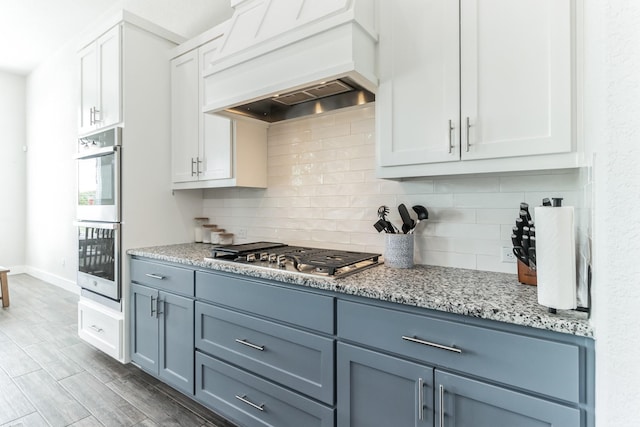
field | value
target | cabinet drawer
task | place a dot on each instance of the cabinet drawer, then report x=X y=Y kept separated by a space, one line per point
x=297 y=359
x=163 y=277
x=535 y=364
x=296 y=307
x=252 y=401
x=101 y=328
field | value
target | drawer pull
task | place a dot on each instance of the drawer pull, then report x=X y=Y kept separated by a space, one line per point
x=248 y=344
x=154 y=276
x=97 y=329
x=244 y=399
x=441 y=389
x=420 y=399
x=431 y=344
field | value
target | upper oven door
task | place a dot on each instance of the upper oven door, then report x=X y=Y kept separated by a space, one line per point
x=99 y=185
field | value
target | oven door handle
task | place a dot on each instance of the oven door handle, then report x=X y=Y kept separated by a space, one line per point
x=104 y=225
x=97 y=152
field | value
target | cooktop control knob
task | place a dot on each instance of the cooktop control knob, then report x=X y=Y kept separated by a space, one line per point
x=273 y=258
x=251 y=257
x=264 y=256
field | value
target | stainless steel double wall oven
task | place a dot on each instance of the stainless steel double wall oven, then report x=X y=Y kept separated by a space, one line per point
x=99 y=213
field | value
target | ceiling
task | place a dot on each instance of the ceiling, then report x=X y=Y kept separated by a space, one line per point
x=30 y=30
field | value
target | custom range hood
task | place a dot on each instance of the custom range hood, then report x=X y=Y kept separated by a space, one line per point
x=282 y=59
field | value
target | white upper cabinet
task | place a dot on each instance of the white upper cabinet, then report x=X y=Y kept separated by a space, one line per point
x=210 y=150
x=419 y=89
x=185 y=117
x=475 y=86
x=100 y=82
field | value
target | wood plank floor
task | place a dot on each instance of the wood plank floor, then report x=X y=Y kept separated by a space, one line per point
x=50 y=377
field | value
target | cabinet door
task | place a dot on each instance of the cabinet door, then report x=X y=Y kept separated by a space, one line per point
x=216 y=152
x=516 y=77
x=417 y=103
x=380 y=390
x=88 y=87
x=462 y=402
x=144 y=327
x=176 y=341
x=108 y=51
x=185 y=113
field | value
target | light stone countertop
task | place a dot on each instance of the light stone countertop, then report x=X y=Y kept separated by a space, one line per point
x=481 y=294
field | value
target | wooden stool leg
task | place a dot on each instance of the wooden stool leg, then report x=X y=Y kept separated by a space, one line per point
x=4 y=287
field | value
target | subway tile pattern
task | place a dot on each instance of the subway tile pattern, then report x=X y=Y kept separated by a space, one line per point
x=482 y=294
x=322 y=191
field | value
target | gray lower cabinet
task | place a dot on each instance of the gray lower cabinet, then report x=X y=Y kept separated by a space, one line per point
x=265 y=354
x=375 y=389
x=380 y=390
x=162 y=335
x=253 y=401
x=262 y=353
x=463 y=402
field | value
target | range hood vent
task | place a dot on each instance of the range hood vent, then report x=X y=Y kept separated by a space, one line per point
x=283 y=59
x=322 y=90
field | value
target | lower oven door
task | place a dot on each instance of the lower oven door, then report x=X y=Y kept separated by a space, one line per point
x=99 y=258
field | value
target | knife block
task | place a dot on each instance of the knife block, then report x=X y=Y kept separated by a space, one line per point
x=526 y=275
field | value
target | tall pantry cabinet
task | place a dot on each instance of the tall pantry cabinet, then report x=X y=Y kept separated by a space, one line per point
x=471 y=86
x=125 y=82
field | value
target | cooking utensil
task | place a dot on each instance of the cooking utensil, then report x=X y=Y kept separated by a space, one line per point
x=407 y=222
x=380 y=225
x=422 y=213
x=383 y=211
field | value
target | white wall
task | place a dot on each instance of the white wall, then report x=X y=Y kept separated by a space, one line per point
x=12 y=171
x=52 y=111
x=322 y=191
x=613 y=107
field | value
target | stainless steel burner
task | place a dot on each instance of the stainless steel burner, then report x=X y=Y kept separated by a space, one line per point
x=312 y=261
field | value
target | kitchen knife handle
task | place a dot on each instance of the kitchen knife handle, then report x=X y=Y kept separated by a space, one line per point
x=468 y=143
x=451 y=129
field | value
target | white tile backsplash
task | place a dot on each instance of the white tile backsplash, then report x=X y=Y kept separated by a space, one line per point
x=322 y=191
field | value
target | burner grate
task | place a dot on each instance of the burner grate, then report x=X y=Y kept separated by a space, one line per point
x=329 y=262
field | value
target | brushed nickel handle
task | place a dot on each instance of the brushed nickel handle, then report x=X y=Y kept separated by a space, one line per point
x=97 y=329
x=248 y=344
x=193 y=163
x=153 y=311
x=441 y=389
x=95 y=115
x=158 y=312
x=244 y=399
x=155 y=276
x=468 y=143
x=420 y=399
x=451 y=128
x=198 y=163
x=91 y=116
x=431 y=344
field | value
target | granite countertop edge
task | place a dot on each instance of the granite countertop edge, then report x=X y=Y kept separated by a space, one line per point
x=473 y=293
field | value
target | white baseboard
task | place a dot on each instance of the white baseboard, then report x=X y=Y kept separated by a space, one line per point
x=61 y=282
x=16 y=269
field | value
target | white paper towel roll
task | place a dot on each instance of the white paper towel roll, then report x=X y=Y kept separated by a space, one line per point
x=555 y=256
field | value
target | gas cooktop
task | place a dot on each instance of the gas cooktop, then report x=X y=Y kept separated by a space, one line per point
x=312 y=261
